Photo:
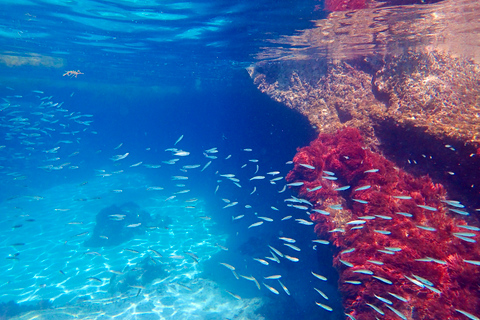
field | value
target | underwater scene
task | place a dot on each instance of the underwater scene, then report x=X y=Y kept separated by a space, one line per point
x=207 y=160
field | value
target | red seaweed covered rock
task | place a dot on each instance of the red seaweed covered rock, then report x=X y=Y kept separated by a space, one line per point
x=403 y=251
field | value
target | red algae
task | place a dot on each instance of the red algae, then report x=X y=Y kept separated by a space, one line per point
x=420 y=272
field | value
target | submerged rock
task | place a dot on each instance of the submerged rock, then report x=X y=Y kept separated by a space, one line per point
x=117 y=224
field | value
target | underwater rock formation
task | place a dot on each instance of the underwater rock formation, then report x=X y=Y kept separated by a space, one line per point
x=117 y=224
x=142 y=274
x=402 y=249
x=429 y=90
x=11 y=309
x=421 y=109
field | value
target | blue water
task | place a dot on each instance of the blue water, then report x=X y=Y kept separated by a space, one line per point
x=151 y=73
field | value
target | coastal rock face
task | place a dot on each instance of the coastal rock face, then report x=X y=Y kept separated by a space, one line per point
x=432 y=90
x=428 y=90
x=420 y=109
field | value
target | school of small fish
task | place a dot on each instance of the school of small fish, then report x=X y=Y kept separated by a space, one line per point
x=50 y=134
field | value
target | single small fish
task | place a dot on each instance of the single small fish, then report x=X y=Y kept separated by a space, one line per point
x=383 y=299
x=274 y=277
x=256 y=224
x=228 y=266
x=191 y=255
x=328 y=173
x=179 y=178
x=293 y=259
x=382 y=232
x=304 y=222
x=234 y=295
x=427 y=207
x=356 y=222
x=307 y=166
x=131 y=250
x=342 y=188
x=336 y=207
x=404 y=214
x=375 y=308
x=191 y=166
x=284 y=288
x=474 y=262
x=134 y=225
x=321 y=293
x=402 y=197
x=325 y=213
x=295 y=184
x=416 y=282
x=221 y=247
x=464 y=234
x=362 y=188
x=468 y=315
x=154 y=188
x=347 y=251
x=156 y=252
x=178 y=140
x=468 y=227
x=120 y=157
x=398 y=313
x=266 y=219
x=257 y=178
x=261 y=261
x=314 y=189
x=136 y=164
x=356 y=228
x=324 y=306
x=271 y=288
x=383 y=279
x=378 y=263
x=296 y=206
x=316 y=275
x=292 y=246
x=329 y=178
x=181 y=153
x=383 y=217
x=360 y=201
x=289 y=240
x=371 y=171
x=398 y=297
x=353 y=282
x=286 y=218
x=466 y=239
x=463 y=213
x=230 y=205
x=348 y=264
x=367 y=217
x=238 y=217
x=273 y=173
x=251 y=278
x=426 y=228
x=363 y=271
x=321 y=241
x=276 y=251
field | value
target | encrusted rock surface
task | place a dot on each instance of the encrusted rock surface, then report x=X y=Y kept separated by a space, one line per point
x=408 y=106
x=429 y=90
